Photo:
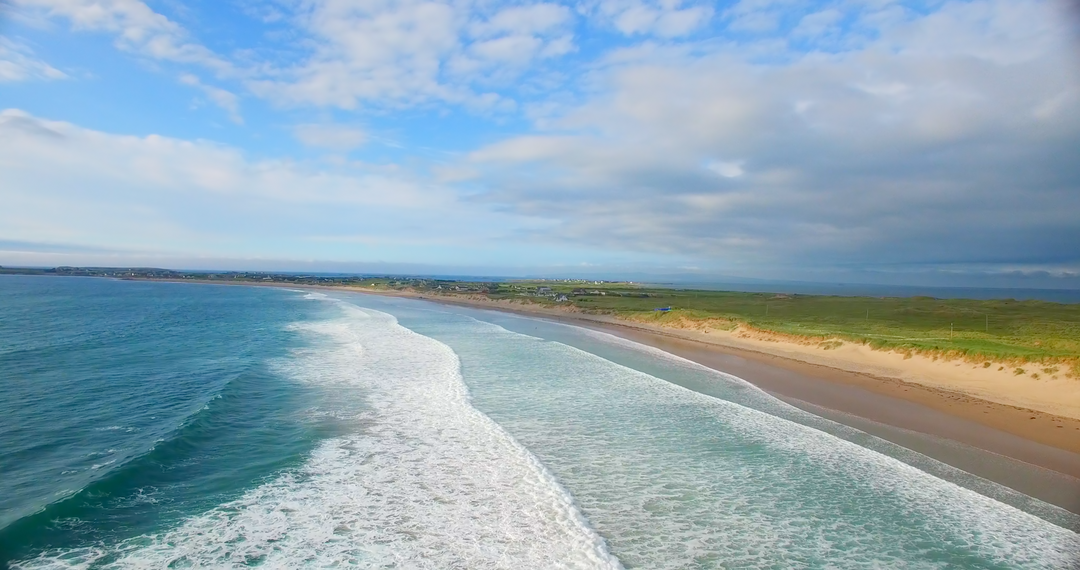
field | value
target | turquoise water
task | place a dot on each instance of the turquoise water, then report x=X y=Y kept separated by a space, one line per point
x=151 y=425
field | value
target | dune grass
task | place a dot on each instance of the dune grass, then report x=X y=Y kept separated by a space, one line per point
x=1001 y=330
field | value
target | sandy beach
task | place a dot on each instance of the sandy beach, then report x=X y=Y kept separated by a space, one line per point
x=932 y=407
x=1046 y=410
x=926 y=420
x=1014 y=432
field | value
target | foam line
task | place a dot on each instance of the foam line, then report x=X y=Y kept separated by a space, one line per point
x=424 y=481
x=674 y=478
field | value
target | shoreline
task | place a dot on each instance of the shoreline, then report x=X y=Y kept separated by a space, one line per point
x=1017 y=447
x=997 y=442
x=1038 y=425
x=1048 y=473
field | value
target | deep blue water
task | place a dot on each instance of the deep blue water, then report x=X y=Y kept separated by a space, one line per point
x=153 y=425
x=126 y=406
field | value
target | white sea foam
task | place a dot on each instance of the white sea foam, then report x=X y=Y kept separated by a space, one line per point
x=760 y=400
x=676 y=479
x=672 y=478
x=427 y=481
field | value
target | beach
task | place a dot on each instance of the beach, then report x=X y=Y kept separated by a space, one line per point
x=1033 y=451
x=168 y=424
x=923 y=419
x=917 y=403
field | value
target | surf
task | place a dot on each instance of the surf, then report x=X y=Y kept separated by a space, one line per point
x=674 y=478
x=450 y=441
x=425 y=480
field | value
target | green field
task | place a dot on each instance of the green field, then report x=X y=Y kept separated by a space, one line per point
x=1006 y=329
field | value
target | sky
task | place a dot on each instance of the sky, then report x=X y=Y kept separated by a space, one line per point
x=928 y=142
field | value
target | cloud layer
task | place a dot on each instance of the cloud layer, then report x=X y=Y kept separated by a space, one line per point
x=17 y=63
x=65 y=184
x=738 y=137
x=955 y=148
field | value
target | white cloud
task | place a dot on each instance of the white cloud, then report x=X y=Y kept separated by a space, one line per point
x=370 y=51
x=65 y=184
x=910 y=147
x=410 y=52
x=888 y=123
x=334 y=137
x=523 y=20
x=514 y=49
x=227 y=100
x=17 y=63
x=818 y=23
x=756 y=15
x=756 y=22
x=892 y=89
x=378 y=52
x=138 y=28
x=1003 y=32
x=163 y=164
x=665 y=18
x=727 y=168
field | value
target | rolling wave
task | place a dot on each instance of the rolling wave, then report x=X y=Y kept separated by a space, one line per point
x=201 y=449
x=424 y=480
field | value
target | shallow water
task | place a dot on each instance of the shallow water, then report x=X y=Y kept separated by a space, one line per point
x=293 y=428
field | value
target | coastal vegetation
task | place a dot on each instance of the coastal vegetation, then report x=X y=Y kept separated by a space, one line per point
x=1001 y=330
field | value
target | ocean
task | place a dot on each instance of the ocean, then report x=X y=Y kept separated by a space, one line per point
x=174 y=425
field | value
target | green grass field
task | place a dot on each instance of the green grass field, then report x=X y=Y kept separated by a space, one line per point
x=1009 y=330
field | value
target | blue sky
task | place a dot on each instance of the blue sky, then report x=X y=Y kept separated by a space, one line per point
x=901 y=142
